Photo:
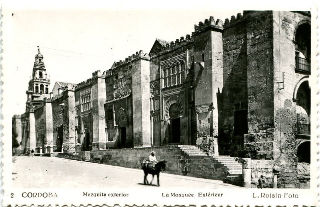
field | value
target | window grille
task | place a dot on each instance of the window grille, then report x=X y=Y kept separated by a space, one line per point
x=303 y=65
x=174 y=75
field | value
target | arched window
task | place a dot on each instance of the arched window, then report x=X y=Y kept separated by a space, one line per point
x=40 y=74
x=47 y=91
x=303 y=101
x=36 y=89
x=41 y=88
x=303 y=48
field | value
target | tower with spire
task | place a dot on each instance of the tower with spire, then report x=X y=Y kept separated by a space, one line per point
x=38 y=88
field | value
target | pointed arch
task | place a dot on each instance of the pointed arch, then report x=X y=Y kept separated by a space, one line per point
x=296 y=88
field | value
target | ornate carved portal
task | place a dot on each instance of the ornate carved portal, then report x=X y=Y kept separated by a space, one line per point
x=173 y=112
x=177 y=109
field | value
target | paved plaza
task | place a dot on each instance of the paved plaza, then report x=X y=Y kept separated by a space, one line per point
x=53 y=172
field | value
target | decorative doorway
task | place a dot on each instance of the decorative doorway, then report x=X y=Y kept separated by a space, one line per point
x=174 y=128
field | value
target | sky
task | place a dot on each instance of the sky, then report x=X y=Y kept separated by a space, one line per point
x=77 y=38
x=76 y=43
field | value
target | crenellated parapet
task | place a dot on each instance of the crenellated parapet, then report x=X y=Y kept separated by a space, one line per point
x=179 y=42
x=173 y=45
x=98 y=74
x=206 y=25
x=136 y=56
x=210 y=23
x=84 y=84
x=233 y=20
x=54 y=98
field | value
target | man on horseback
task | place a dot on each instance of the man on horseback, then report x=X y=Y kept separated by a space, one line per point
x=153 y=167
x=153 y=159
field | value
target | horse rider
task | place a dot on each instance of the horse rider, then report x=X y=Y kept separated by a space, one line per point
x=153 y=159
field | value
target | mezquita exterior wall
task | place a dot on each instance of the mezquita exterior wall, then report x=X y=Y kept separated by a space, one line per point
x=243 y=81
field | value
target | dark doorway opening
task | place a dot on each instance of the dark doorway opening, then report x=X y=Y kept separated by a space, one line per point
x=240 y=122
x=303 y=152
x=174 y=127
x=123 y=136
x=59 y=139
x=175 y=131
x=87 y=141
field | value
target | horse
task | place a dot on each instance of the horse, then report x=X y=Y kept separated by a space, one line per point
x=148 y=168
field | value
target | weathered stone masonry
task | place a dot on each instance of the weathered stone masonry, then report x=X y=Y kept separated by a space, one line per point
x=127 y=104
x=244 y=82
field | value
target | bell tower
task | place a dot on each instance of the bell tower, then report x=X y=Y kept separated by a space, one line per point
x=39 y=84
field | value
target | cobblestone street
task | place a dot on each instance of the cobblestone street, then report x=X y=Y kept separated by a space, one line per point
x=52 y=172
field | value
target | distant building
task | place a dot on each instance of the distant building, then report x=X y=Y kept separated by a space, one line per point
x=244 y=82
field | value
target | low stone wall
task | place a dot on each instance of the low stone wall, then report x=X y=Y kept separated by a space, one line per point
x=262 y=142
x=304 y=175
x=262 y=167
x=207 y=167
x=177 y=162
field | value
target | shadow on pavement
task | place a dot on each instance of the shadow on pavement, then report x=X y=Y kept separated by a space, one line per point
x=153 y=185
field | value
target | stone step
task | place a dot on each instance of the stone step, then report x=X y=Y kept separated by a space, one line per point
x=232 y=166
x=218 y=158
x=235 y=171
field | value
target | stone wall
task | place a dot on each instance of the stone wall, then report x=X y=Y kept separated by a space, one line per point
x=260 y=80
x=264 y=168
x=167 y=56
x=177 y=161
x=208 y=78
x=122 y=119
x=234 y=95
x=60 y=114
x=40 y=124
x=127 y=102
x=84 y=117
x=202 y=58
x=25 y=142
x=17 y=145
x=286 y=84
x=263 y=143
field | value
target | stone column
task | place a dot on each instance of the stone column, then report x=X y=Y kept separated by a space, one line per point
x=141 y=102
x=246 y=172
x=32 y=131
x=215 y=146
x=151 y=130
x=49 y=127
x=71 y=119
x=98 y=113
x=17 y=128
